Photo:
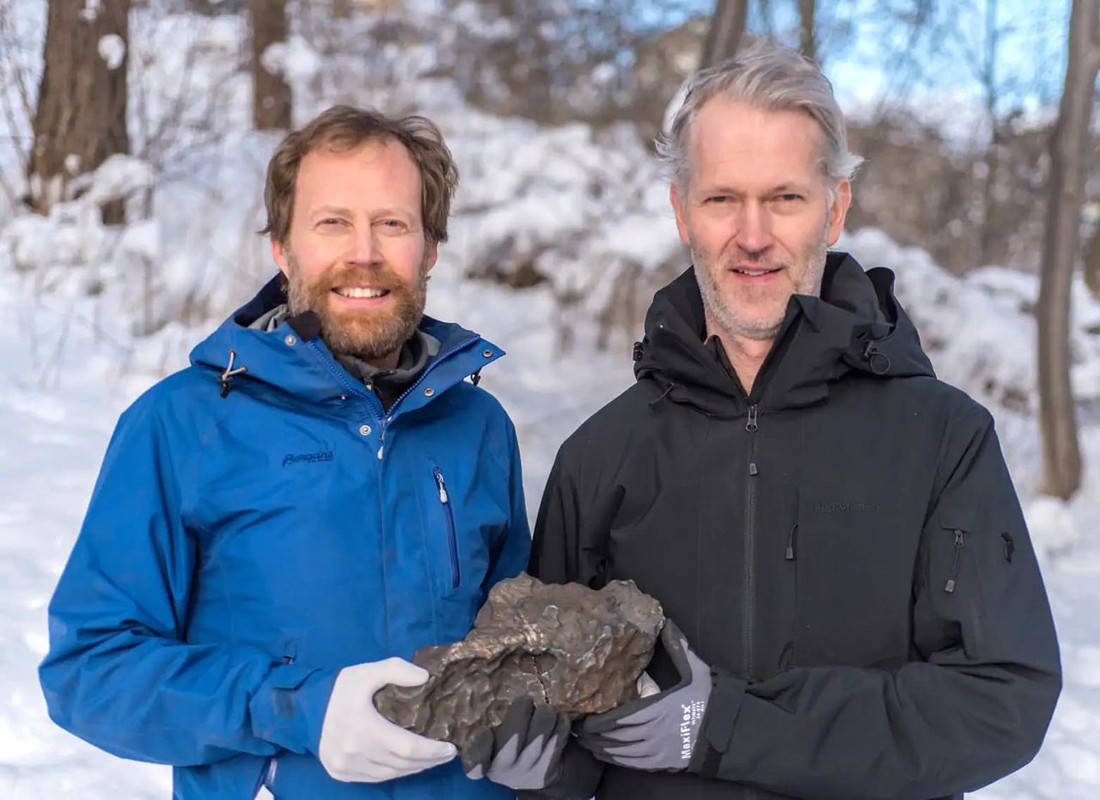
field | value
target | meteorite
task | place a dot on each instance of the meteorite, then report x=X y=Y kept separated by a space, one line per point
x=577 y=649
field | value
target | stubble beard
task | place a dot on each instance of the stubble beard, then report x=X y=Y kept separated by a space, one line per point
x=734 y=324
x=369 y=334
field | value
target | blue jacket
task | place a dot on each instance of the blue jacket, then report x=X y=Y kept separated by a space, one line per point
x=240 y=549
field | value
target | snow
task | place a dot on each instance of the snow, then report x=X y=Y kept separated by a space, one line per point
x=91 y=315
x=294 y=59
x=91 y=10
x=112 y=49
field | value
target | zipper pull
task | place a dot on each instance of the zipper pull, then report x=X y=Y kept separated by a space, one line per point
x=751 y=425
x=949 y=587
x=789 y=555
x=382 y=436
x=442 y=487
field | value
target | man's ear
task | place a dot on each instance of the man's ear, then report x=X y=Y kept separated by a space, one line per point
x=278 y=252
x=838 y=211
x=681 y=215
x=430 y=256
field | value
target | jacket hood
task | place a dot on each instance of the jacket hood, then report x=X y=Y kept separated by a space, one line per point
x=293 y=358
x=855 y=325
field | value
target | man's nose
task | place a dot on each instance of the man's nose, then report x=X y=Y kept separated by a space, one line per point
x=754 y=230
x=363 y=247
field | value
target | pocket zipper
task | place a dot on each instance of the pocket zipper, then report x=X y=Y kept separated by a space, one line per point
x=448 y=517
x=949 y=587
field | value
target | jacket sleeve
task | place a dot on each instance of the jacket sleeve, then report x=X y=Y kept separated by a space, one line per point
x=973 y=708
x=118 y=673
x=514 y=544
x=570 y=540
x=567 y=548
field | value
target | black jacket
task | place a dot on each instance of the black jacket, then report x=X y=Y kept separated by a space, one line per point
x=844 y=546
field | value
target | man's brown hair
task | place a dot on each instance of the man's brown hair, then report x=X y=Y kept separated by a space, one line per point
x=343 y=128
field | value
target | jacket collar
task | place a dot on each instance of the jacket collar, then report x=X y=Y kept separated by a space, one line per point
x=292 y=358
x=856 y=325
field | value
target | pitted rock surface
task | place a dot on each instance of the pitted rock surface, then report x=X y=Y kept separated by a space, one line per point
x=577 y=649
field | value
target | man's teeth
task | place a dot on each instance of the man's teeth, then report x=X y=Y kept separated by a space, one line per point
x=355 y=291
x=754 y=271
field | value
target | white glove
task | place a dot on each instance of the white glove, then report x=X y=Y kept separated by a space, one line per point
x=358 y=743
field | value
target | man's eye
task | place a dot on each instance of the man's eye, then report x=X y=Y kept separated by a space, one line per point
x=788 y=197
x=393 y=226
x=717 y=198
x=331 y=221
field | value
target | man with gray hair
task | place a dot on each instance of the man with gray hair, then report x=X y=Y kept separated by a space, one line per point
x=858 y=608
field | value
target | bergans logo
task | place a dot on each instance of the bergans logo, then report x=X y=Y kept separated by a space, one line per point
x=844 y=508
x=306 y=458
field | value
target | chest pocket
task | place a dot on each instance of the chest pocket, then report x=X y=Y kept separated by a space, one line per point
x=854 y=571
x=462 y=517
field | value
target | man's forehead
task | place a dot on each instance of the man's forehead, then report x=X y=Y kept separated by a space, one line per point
x=734 y=136
x=726 y=115
x=386 y=166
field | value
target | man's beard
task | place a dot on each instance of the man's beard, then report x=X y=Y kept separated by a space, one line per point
x=370 y=334
x=730 y=320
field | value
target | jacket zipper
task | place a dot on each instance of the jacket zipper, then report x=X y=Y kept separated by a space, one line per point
x=267 y=776
x=449 y=518
x=949 y=587
x=747 y=627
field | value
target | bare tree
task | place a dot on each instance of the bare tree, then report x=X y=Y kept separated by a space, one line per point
x=81 y=114
x=727 y=26
x=1068 y=147
x=807 y=42
x=270 y=93
x=1092 y=263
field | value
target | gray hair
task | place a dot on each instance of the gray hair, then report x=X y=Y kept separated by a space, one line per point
x=770 y=76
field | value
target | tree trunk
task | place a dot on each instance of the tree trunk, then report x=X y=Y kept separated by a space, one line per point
x=807 y=43
x=341 y=9
x=81 y=115
x=1057 y=412
x=270 y=93
x=727 y=26
x=1092 y=263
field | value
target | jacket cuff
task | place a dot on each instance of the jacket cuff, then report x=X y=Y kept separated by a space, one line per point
x=719 y=720
x=289 y=708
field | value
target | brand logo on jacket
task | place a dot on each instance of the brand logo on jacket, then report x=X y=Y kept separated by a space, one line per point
x=845 y=508
x=307 y=458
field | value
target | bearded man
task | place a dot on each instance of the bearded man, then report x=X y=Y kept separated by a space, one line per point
x=277 y=528
x=857 y=609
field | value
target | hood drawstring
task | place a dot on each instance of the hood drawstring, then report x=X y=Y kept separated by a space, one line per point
x=475 y=378
x=230 y=373
x=878 y=360
x=662 y=396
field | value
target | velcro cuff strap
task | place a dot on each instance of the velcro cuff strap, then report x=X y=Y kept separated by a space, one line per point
x=289 y=708
x=718 y=723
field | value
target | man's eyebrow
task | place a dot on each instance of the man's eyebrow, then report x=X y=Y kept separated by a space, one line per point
x=788 y=187
x=337 y=210
x=719 y=188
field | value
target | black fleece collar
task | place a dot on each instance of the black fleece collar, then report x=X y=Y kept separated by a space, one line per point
x=855 y=325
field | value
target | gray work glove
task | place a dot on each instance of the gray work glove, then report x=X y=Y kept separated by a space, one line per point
x=358 y=743
x=524 y=751
x=657 y=732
